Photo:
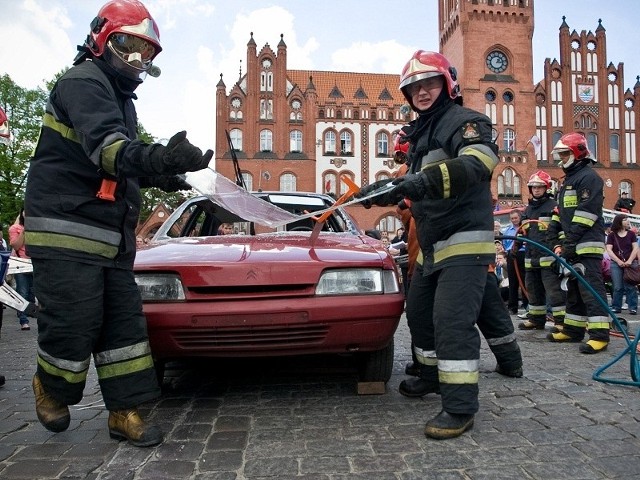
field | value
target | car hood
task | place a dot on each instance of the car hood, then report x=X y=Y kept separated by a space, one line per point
x=282 y=258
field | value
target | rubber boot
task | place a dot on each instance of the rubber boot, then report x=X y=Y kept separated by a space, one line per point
x=562 y=337
x=448 y=425
x=53 y=415
x=530 y=325
x=127 y=425
x=419 y=386
x=593 y=346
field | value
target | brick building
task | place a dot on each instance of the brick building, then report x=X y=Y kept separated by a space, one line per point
x=300 y=130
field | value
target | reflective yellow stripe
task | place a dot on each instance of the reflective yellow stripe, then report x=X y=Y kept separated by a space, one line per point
x=420 y=258
x=501 y=340
x=594 y=325
x=458 y=371
x=57 y=240
x=108 y=156
x=69 y=133
x=582 y=221
x=575 y=320
x=426 y=357
x=458 y=378
x=125 y=368
x=537 y=310
x=482 y=153
x=475 y=248
x=71 y=377
x=446 y=181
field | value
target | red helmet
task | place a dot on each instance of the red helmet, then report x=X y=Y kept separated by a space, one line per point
x=4 y=126
x=400 y=147
x=125 y=33
x=540 y=179
x=428 y=64
x=575 y=144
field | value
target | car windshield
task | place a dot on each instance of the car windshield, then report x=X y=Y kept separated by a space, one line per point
x=200 y=217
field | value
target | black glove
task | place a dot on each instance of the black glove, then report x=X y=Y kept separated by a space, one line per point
x=171 y=183
x=178 y=156
x=381 y=200
x=569 y=252
x=411 y=186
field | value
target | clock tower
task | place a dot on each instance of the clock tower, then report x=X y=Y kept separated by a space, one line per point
x=490 y=44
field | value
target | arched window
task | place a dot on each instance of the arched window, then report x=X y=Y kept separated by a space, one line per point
x=295 y=141
x=287 y=182
x=330 y=142
x=248 y=180
x=345 y=143
x=614 y=148
x=382 y=144
x=555 y=138
x=236 y=138
x=592 y=144
x=508 y=183
x=389 y=225
x=626 y=186
x=382 y=176
x=266 y=141
x=266 y=109
x=329 y=180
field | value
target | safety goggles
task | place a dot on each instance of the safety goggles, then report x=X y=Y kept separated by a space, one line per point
x=136 y=51
x=426 y=84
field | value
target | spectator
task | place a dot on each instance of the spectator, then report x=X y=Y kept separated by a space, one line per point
x=515 y=263
x=625 y=203
x=622 y=248
x=24 y=281
x=225 y=229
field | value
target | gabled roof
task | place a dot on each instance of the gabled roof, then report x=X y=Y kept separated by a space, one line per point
x=381 y=86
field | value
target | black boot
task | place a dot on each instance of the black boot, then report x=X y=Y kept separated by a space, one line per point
x=412 y=369
x=418 y=387
x=448 y=425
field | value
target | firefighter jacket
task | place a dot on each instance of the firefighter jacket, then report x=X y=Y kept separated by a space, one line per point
x=577 y=223
x=535 y=224
x=88 y=134
x=455 y=152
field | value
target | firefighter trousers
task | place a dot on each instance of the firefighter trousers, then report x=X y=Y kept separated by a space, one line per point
x=90 y=310
x=442 y=309
x=543 y=287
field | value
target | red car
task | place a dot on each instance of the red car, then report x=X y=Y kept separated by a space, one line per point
x=265 y=292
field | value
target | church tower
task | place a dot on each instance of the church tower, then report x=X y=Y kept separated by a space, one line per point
x=490 y=44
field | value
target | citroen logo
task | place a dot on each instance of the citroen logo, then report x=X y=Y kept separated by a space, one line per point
x=252 y=275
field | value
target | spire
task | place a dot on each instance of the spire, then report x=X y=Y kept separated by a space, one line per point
x=600 y=27
x=281 y=44
x=240 y=71
x=564 y=23
x=221 y=83
x=252 y=42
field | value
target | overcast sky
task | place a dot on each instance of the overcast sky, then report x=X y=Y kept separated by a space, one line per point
x=203 y=38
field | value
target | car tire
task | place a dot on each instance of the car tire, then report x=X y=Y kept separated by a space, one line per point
x=377 y=366
x=160 y=367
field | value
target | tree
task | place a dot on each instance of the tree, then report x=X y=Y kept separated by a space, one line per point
x=24 y=109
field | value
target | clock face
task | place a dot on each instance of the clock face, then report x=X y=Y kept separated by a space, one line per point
x=497 y=62
x=266 y=63
x=236 y=102
x=295 y=104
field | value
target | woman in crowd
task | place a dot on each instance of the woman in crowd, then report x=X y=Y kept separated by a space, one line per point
x=622 y=247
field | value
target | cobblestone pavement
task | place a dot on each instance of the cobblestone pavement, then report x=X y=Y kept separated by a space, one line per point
x=302 y=419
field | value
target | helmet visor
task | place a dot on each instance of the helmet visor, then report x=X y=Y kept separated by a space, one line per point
x=133 y=50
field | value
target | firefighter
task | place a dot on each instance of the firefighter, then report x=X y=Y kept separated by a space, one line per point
x=452 y=160
x=81 y=241
x=577 y=231
x=542 y=283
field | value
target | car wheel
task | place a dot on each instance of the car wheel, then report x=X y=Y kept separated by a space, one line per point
x=377 y=366
x=159 y=366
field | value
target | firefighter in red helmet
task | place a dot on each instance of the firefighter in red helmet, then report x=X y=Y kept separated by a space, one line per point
x=577 y=230
x=542 y=282
x=452 y=159
x=84 y=239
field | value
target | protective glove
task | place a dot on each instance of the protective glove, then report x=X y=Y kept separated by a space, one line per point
x=569 y=252
x=411 y=186
x=382 y=200
x=171 y=183
x=178 y=156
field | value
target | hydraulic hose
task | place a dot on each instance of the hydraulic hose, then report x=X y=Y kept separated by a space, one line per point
x=632 y=343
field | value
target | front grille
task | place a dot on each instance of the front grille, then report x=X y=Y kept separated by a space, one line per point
x=252 y=338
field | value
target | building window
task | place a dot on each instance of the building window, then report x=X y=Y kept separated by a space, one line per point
x=330 y=142
x=295 y=141
x=508 y=183
x=509 y=140
x=236 y=138
x=592 y=144
x=345 y=143
x=383 y=176
x=287 y=182
x=389 y=225
x=329 y=180
x=266 y=109
x=248 y=180
x=626 y=187
x=614 y=148
x=382 y=144
x=266 y=141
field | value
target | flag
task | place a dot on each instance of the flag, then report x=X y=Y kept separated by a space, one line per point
x=537 y=144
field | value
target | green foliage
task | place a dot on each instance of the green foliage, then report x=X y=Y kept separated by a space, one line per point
x=24 y=109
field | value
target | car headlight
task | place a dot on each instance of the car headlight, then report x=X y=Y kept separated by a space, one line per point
x=357 y=281
x=159 y=287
